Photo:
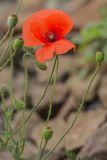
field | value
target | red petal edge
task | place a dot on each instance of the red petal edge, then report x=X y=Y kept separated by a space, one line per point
x=63 y=46
x=44 y=53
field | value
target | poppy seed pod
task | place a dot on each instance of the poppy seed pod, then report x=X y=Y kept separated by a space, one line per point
x=12 y=21
x=99 y=57
x=47 y=133
x=18 y=44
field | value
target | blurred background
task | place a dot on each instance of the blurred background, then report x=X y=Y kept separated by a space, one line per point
x=89 y=135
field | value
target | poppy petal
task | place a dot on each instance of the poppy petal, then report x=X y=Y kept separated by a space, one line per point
x=63 y=46
x=38 y=25
x=45 y=53
x=46 y=21
x=28 y=37
x=60 y=22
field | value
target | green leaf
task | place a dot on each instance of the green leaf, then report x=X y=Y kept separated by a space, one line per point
x=19 y=105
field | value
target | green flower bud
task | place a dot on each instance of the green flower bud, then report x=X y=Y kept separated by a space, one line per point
x=47 y=133
x=18 y=44
x=19 y=105
x=99 y=57
x=12 y=21
x=41 y=66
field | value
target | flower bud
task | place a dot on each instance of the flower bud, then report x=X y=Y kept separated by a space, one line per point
x=18 y=44
x=47 y=133
x=12 y=21
x=19 y=105
x=41 y=66
x=99 y=57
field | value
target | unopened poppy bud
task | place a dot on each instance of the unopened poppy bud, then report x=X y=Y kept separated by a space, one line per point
x=47 y=133
x=19 y=105
x=41 y=66
x=99 y=57
x=18 y=44
x=12 y=21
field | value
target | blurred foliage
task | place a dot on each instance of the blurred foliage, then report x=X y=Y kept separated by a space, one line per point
x=93 y=37
x=70 y=155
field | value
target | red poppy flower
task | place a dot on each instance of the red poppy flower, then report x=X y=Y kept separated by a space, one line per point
x=47 y=28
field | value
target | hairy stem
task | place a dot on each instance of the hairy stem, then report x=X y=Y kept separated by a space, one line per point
x=77 y=114
x=51 y=97
x=36 y=104
x=50 y=110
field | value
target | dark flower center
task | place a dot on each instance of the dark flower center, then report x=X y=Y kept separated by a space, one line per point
x=50 y=37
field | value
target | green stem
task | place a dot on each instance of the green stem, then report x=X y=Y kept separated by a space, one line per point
x=5 y=37
x=11 y=69
x=6 y=48
x=3 y=100
x=12 y=63
x=36 y=104
x=10 y=93
x=26 y=80
x=42 y=150
x=50 y=109
x=18 y=6
x=11 y=72
x=7 y=60
x=10 y=31
x=22 y=132
x=51 y=97
x=5 y=110
x=77 y=114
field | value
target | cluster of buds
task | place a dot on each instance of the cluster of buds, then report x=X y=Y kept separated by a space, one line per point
x=11 y=23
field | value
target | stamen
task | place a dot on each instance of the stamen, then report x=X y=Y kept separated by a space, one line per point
x=50 y=37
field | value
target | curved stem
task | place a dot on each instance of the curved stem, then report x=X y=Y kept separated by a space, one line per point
x=36 y=104
x=77 y=114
